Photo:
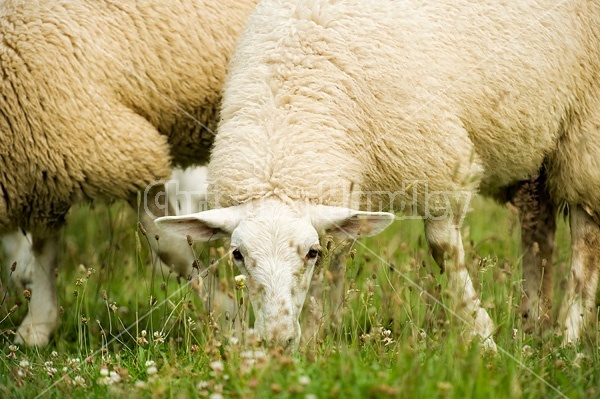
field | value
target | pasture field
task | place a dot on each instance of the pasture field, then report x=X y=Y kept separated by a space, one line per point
x=132 y=330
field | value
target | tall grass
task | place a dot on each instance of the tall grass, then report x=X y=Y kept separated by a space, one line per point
x=137 y=329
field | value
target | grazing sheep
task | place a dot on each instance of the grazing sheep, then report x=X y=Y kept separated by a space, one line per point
x=334 y=104
x=99 y=99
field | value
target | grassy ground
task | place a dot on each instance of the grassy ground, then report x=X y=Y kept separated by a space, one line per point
x=131 y=329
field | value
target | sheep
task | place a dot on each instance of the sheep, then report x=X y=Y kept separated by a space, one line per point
x=185 y=193
x=99 y=100
x=331 y=106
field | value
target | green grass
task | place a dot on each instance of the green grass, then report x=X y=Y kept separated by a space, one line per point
x=395 y=339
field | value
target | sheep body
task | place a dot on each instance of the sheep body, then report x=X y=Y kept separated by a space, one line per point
x=98 y=98
x=457 y=95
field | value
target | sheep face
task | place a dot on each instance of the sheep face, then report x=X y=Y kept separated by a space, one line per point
x=277 y=253
x=276 y=246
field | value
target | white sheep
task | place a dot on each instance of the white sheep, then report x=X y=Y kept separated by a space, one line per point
x=98 y=101
x=330 y=104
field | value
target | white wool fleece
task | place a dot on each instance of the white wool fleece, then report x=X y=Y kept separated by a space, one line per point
x=324 y=97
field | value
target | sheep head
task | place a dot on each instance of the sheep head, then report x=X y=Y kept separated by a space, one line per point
x=276 y=246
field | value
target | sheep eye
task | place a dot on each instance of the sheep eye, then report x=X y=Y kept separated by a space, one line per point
x=237 y=255
x=312 y=253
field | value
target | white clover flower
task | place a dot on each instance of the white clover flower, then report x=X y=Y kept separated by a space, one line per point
x=240 y=281
x=24 y=363
x=217 y=366
x=13 y=348
x=104 y=372
x=139 y=384
x=151 y=370
x=304 y=380
x=54 y=354
x=78 y=381
x=216 y=395
x=144 y=332
x=159 y=337
x=114 y=376
x=150 y=363
x=234 y=340
x=202 y=385
x=74 y=362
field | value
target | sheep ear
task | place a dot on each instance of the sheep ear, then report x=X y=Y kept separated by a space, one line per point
x=346 y=222
x=202 y=226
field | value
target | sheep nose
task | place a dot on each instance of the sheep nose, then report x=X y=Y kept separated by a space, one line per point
x=285 y=343
x=283 y=340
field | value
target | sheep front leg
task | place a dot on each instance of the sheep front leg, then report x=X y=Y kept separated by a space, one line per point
x=445 y=242
x=174 y=252
x=42 y=316
x=579 y=302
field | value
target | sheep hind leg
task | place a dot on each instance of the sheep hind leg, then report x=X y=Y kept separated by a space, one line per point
x=579 y=302
x=18 y=251
x=445 y=242
x=537 y=217
x=42 y=316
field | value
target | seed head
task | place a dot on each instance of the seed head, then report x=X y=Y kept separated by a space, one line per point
x=142 y=229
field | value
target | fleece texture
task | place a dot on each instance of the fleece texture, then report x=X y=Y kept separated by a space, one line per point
x=99 y=98
x=329 y=98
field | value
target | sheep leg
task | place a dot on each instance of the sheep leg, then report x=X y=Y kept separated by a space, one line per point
x=42 y=316
x=537 y=216
x=174 y=252
x=579 y=301
x=445 y=242
x=17 y=247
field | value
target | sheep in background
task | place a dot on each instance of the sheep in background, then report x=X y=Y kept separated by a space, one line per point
x=98 y=101
x=334 y=103
x=185 y=194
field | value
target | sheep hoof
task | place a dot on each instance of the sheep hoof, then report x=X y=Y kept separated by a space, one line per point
x=33 y=334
